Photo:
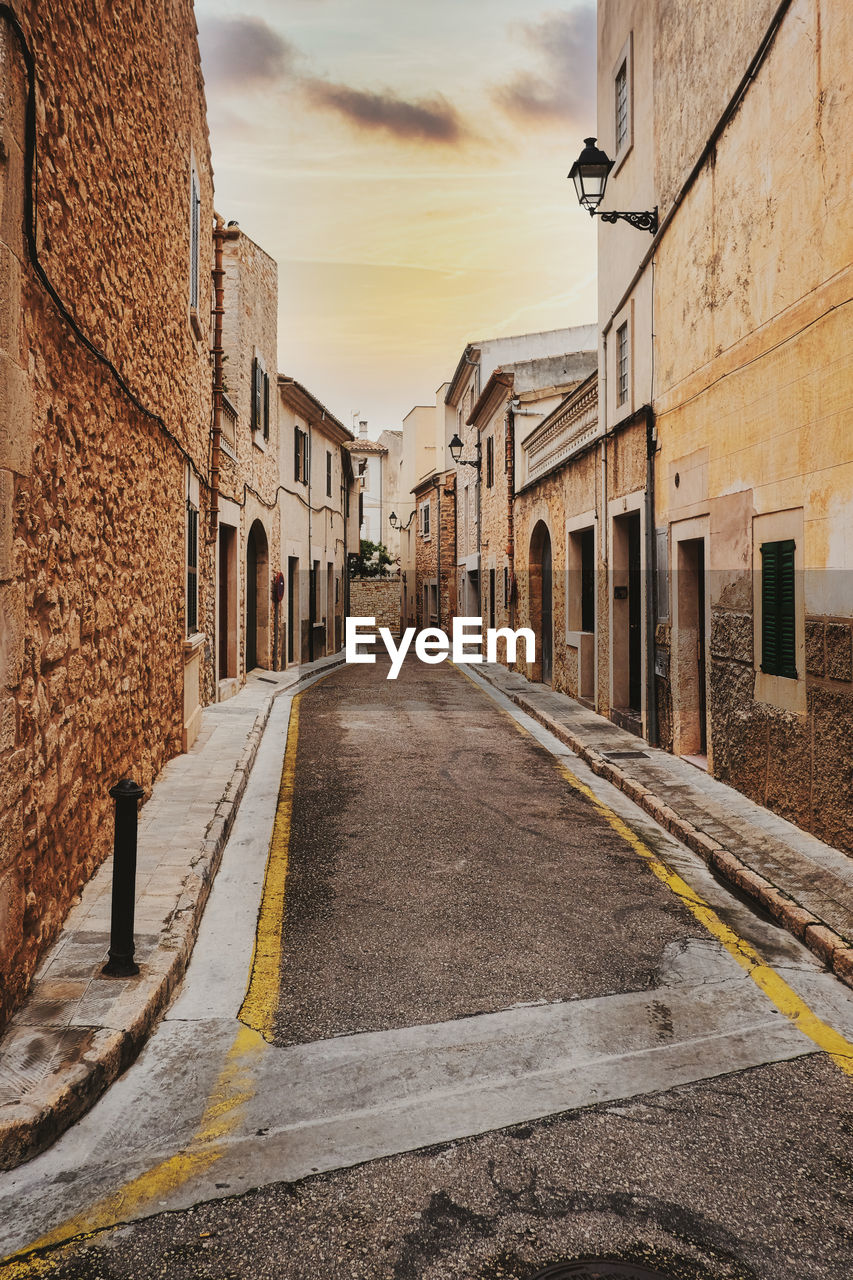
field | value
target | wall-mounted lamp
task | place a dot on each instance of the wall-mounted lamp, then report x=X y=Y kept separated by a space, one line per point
x=589 y=173
x=456 y=448
x=396 y=523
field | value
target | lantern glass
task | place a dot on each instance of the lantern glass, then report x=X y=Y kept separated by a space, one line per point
x=589 y=174
x=456 y=448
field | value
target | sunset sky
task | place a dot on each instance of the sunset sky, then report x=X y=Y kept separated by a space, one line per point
x=405 y=163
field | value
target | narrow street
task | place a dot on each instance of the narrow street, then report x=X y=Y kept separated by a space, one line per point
x=513 y=1025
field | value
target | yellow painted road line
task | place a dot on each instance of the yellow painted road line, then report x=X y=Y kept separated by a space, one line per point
x=765 y=978
x=222 y=1115
x=261 y=999
x=235 y=1085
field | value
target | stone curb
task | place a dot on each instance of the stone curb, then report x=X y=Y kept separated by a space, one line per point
x=66 y=1093
x=828 y=945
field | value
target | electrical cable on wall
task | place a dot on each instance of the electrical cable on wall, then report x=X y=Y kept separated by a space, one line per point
x=30 y=211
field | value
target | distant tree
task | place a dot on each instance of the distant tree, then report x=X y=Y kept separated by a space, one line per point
x=372 y=562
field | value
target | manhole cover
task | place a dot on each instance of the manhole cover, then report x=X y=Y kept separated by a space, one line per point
x=599 y=1269
x=625 y=755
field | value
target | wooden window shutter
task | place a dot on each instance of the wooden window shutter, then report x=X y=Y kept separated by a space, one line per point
x=253 y=410
x=297 y=454
x=306 y=458
x=787 y=611
x=266 y=406
x=778 y=610
x=195 y=238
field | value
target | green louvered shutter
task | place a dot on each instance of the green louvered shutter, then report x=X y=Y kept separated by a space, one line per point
x=778 y=610
x=787 y=612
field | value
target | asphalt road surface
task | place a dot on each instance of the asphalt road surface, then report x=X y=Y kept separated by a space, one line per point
x=510 y=1023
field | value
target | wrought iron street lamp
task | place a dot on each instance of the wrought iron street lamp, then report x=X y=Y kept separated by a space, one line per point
x=396 y=523
x=589 y=173
x=456 y=447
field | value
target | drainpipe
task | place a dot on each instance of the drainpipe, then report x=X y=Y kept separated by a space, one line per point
x=220 y=234
x=312 y=585
x=438 y=556
x=602 y=532
x=651 y=580
x=510 y=486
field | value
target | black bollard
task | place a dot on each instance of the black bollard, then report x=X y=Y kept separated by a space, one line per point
x=121 y=963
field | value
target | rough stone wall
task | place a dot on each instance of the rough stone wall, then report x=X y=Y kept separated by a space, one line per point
x=556 y=498
x=377 y=598
x=250 y=327
x=92 y=521
x=427 y=556
x=799 y=766
x=753 y=383
x=494 y=521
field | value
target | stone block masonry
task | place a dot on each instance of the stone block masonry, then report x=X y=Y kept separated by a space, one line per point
x=94 y=489
x=377 y=598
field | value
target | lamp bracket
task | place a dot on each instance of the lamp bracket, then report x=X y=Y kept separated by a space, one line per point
x=646 y=221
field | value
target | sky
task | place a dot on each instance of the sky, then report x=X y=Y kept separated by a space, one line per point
x=404 y=162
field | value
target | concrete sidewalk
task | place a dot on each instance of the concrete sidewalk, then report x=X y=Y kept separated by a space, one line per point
x=805 y=884
x=78 y=1030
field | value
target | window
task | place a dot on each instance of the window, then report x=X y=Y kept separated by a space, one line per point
x=587 y=556
x=621 y=106
x=778 y=609
x=301 y=455
x=423 y=519
x=328 y=474
x=622 y=364
x=490 y=461
x=228 y=424
x=581 y=579
x=195 y=238
x=192 y=568
x=623 y=90
x=260 y=410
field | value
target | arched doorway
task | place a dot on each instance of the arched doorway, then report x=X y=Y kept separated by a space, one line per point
x=257 y=598
x=541 y=602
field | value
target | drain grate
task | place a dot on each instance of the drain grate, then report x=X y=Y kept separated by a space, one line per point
x=599 y=1269
x=625 y=755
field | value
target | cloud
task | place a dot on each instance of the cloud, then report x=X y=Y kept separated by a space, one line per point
x=564 y=89
x=243 y=53
x=425 y=120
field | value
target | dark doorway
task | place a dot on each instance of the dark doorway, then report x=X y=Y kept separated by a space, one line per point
x=547 y=599
x=690 y=644
x=491 y=598
x=251 y=602
x=541 y=608
x=257 y=598
x=227 y=619
x=292 y=607
x=635 y=614
x=586 y=539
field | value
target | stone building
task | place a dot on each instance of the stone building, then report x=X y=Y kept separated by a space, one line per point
x=435 y=550
x=476 y=365
x=106 y=568
x=519 y=568
x=426 y=436
x=318 y=523
x=377 y=466
x=249 y=530
x=745 y=287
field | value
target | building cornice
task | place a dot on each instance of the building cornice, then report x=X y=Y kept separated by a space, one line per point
x=566 y=431
x=496 y=391
x=313 y=410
